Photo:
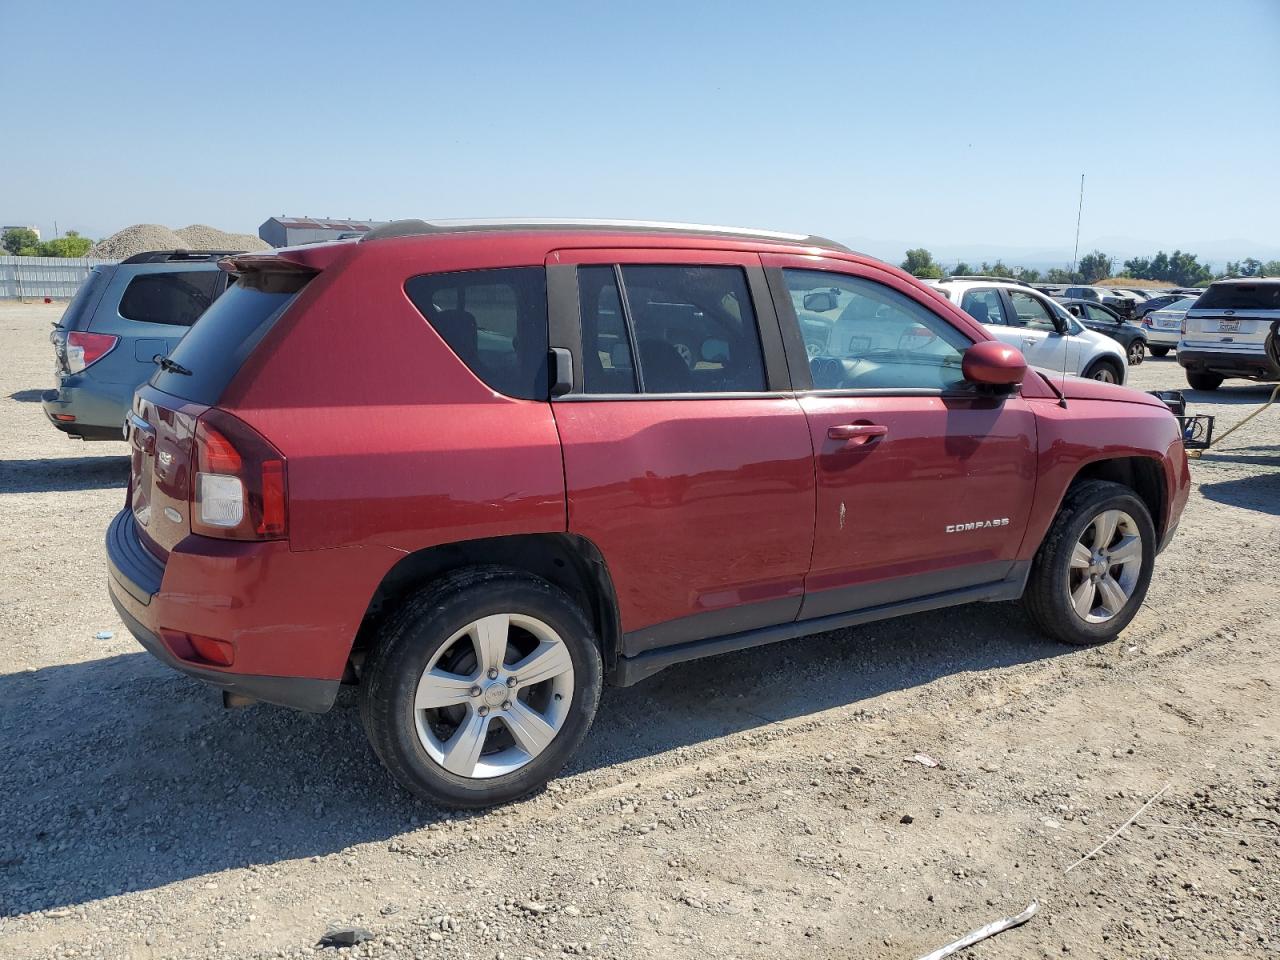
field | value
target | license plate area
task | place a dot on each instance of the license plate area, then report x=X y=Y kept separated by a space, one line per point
x=1228 y=326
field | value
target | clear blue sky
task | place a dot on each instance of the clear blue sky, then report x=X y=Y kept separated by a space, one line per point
x=948 y=125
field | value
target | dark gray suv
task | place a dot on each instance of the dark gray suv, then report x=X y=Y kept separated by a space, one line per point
x=121 y=318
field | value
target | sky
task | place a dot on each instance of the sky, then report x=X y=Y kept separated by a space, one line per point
x=961 y=128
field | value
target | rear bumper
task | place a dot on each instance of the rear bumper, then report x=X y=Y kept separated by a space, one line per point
x=151 y=600
x=1251 y=365
x=1162 y=338
x=99 y=408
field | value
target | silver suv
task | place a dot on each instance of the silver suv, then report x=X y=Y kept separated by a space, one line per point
x=1231 y=331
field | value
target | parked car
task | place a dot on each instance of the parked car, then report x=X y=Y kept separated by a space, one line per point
x=1158 y=302
x=1232 y=331
x=1037 y=325
x=478 y=469
x=1164 y=325
x=122 y=317
x=1102 y=319
x=1123 y=305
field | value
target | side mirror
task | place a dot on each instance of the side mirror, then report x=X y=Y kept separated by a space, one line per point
x=820 y=301
x=994 y=364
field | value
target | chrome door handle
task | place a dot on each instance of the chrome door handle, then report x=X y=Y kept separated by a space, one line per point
x=857 y=432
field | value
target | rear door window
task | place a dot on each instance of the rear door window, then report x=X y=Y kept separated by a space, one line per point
x=985 y=306
x=494 y=320
x=176 y=299
x=215 y=347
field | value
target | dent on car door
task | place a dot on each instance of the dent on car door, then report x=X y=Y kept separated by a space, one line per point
x=924 y=486
x=687 y=461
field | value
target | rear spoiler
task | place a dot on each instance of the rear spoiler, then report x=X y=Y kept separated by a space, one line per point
x=292 y=260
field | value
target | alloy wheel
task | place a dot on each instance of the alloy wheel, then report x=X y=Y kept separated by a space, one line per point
x=1104 y=374
x=494 y=696
x=1135 y=353
x=1105 y=564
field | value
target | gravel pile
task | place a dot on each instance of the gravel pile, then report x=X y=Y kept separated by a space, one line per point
x=200 y=236
x=142 y=237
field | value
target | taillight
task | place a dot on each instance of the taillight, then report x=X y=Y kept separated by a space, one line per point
x=86 y=349
x=1183 y=328
x=1146 y=320
x=239 y=488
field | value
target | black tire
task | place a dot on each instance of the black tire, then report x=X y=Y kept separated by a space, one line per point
x=1203 y=381
x=1048 y=598
x=411 y=637
x=1159 y=351
x=1136 y=352
x=1095 y=370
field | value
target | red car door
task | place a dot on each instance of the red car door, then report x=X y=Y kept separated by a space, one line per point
x=687 y=460
x=923 y=485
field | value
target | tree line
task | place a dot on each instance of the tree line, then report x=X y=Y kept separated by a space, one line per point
x=23 y=242
x=1178 y=269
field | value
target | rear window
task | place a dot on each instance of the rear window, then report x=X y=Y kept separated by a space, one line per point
x=494 y=320
x=80 y=310
x=1240 y=296
x=176 y=298
x=216 y=347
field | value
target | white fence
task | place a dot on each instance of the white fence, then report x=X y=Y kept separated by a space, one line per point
x=34 y=278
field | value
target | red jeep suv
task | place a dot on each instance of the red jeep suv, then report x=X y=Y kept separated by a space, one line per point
x=479 y=468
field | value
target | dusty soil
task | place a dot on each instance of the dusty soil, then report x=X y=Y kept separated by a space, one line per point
x=754 y=805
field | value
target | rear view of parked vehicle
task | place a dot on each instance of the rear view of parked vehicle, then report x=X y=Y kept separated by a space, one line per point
x=480 y=469
x=122 y=317
x=1164 y=325
x=1047 y=335
x=1232 y=331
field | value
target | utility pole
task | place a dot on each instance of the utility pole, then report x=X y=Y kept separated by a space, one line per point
x=1075 y=257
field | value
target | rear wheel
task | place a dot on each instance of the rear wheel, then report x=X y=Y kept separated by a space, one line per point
x=481 y=687
x=1159 y=351
x=1092 y=571
x=1136 y=353
x=1106 y=371
x=1203 y=381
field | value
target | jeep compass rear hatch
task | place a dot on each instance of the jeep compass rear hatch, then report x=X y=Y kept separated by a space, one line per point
x=195 y=468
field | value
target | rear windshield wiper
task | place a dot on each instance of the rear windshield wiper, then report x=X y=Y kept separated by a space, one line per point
x=172 y=366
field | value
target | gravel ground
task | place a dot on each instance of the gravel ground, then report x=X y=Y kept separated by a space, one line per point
x=754 y=805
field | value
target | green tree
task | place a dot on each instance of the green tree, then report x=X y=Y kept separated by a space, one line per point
x=1095 y=266
x=920 y=263
x=997 y=269
x=1183 y=269
x=1058 y=275
x=1026 y=274
x=18 y=239
x=1270 y=269
x=962 y=269
x=72 y=245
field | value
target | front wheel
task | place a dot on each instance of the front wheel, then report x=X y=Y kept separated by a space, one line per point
x=1203 y=381
x=1160 y=351
x=1136 y=353
x=481 y=687
x=1105 y=371
x=1094 y=567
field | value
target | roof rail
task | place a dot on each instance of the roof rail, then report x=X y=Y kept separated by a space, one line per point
x=977 y=276
x=180 y=256
x=413 y=228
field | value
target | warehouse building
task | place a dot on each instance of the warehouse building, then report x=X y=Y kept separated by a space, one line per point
x=285 y=231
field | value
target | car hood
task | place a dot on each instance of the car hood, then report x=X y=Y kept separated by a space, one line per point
x=1078 y=388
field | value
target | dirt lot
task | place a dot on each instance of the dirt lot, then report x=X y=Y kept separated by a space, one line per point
x=755 y=805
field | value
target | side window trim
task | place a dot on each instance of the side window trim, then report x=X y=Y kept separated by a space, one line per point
x=628 y=324
x=566 y=329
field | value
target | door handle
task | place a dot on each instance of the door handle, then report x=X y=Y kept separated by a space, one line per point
x=857 y=432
